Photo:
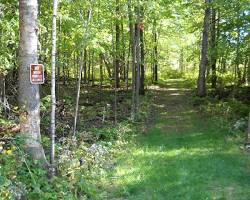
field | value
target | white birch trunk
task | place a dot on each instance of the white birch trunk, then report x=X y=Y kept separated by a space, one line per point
x=53 y=89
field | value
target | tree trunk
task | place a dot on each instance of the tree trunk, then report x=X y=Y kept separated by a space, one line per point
x=237 y=61
x=181 y=61
x=3 y=99
x=127 y=67
x=138 y=59
x=201 y=83
x=82 y=65
x=213 y=49
x=53 y=89
x=92 y=69
x=123 y=53
x=78 y=95
x=29 y=97
x=115 y=103
x=101 y=70
x=244 y=76
x=58 y=63
x=248 y=131
x=142 y=76
x=155 y=54
x=117 y=46
x=132 y=41
x=248 y=71
x=89 y=66
x=85 y=66
x=107 y=64
x=2 y=87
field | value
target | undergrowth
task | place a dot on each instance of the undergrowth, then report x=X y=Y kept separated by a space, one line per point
x=228 y=112
x=81 y=162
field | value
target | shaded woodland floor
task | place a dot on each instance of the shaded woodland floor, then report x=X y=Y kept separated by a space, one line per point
x=184 y=155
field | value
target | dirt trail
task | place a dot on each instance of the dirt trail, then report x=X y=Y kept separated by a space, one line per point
x=172 y=104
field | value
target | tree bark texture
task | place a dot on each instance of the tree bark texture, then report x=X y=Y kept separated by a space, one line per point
x=78 y=95
x=29 y=97
x=53 y=88
x=132 y=41
x=213 y=49
x=138 y=60
x=155 y=55
x=117 y=45
x=201 y=83
x=142 y=70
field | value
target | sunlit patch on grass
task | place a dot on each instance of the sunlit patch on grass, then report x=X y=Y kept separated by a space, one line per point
x=160 y=106
x=184 y=156
x=175 y=94
x=181 y=167
x=163 y=152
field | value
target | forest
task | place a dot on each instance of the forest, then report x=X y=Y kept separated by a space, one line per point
x=124 y=99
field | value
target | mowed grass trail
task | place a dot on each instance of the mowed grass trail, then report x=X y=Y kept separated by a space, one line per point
x=185 y=156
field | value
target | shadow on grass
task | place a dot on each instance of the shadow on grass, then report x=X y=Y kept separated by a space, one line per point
x=186 y=156
x=199 y=163
x=193 y=166
x=186 y=176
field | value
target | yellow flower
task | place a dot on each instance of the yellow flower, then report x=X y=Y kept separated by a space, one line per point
x=8 y=152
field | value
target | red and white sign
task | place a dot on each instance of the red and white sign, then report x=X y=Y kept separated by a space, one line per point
x=36 y=74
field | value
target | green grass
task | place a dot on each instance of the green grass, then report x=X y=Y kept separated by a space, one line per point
x=191 y=158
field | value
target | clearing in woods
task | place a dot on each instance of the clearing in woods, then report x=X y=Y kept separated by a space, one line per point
x=184 y=156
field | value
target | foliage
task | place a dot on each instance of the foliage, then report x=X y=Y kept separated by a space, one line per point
x=22 y=177
x=231 y=112
x=81 y=164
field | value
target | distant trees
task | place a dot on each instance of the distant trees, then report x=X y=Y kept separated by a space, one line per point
x=227 y=53
x=130 y=41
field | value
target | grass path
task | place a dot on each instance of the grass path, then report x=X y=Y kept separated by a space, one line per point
x=185 y=156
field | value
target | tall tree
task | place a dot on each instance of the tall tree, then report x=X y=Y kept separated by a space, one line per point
x=133 y=47
x=237 y=59
x=117 y=45
x=83 y=46
x=29 y=97
x=137 y=56
x=201 y=83
x=78 y=94
x=53 y=89
x=142 y=66
x=213 y=48
x=155 y=53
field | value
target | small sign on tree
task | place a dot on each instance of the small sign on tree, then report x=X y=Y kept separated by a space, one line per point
x=37 y=74
x=141 y=26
